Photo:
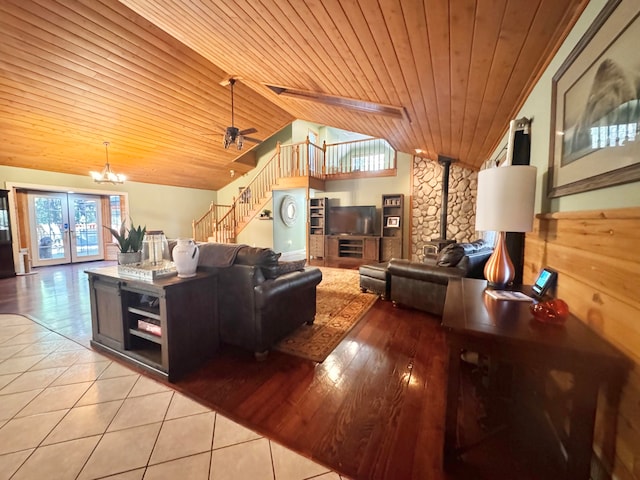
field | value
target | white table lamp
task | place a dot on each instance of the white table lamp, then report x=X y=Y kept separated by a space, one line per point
x=505 y=203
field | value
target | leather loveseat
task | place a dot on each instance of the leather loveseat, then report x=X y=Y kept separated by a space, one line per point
x=260 y=299
x=424 y=285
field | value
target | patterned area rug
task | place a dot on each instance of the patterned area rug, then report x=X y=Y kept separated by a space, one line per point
x=340 y=305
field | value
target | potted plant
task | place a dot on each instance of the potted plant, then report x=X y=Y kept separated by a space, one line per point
x=266 y=213
x=129 y=242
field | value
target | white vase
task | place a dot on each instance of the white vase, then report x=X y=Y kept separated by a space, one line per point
x=185 y=256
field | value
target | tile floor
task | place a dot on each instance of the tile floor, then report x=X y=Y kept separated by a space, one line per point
x=67 y=412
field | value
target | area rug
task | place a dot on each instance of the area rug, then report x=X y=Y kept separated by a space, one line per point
x=340 y=305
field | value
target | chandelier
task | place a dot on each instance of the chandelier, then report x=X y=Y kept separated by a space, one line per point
x=107 y=176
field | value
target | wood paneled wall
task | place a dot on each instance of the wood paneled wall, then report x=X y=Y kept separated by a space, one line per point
x=597 y=256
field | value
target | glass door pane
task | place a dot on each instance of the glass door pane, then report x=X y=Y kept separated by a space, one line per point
x=49 y=228
x=5 y=229
x=65 y=228
x=85 y=228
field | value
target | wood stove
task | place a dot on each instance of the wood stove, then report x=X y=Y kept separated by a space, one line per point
x=433 y=247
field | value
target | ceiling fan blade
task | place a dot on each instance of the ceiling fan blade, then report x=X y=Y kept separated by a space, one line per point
x=247 y=131
x=250 y=139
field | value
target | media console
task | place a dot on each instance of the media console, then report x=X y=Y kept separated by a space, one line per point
x=352 y=250
x=349 y=236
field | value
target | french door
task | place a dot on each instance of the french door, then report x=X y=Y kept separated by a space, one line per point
x=65 y=228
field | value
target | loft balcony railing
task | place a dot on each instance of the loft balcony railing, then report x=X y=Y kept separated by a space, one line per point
x=360 y=158
x=367 y=157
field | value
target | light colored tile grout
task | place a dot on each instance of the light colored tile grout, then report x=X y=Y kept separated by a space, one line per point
x=55 y=337
x=243 y=442
x=273 y=464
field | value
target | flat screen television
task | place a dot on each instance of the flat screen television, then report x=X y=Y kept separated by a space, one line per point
x=360 y=220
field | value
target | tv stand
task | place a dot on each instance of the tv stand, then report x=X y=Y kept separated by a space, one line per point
x=352 y=250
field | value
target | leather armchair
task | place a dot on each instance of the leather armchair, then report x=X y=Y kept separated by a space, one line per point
x=255 y=313
x=424 y=285
x=260 y=302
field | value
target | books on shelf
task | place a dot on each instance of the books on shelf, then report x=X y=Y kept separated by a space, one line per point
x=508 y=295
x=150 y=325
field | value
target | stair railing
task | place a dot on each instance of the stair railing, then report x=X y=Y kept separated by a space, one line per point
x=302 y=159
x=205 y=226
x=225 y=229
x=222 y=223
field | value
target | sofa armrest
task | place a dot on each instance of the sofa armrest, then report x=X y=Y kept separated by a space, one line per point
x=422 y=272
x=286 y=284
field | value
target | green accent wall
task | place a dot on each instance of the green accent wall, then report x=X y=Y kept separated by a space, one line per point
x=538 y=108
x=288 y=239
x=159 y=207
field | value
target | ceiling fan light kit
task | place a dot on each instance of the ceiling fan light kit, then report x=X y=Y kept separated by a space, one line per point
x=234 y=135
x=106 y=175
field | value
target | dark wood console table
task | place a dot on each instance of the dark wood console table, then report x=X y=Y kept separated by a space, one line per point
x=506 y=331
x=182 y=312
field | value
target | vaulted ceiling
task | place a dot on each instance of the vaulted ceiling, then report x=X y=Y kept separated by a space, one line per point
x=145 y=76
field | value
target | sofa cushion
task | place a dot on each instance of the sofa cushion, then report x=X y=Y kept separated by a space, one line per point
x=285 y=267
x=265 y=258
x=256 y=256
x=450 y=255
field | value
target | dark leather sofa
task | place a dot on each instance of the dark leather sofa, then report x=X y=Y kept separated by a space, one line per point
x=260 y=299
x=424 y=285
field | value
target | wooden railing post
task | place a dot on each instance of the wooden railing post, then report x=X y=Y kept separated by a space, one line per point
x=214 y=220
x=324 y=159
x=307 y=161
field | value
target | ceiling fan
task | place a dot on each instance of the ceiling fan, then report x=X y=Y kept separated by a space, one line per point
x=234 y=135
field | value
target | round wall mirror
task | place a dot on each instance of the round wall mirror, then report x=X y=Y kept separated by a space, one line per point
x=288 y=210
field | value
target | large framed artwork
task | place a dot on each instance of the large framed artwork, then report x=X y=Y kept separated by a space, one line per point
x=595 y=124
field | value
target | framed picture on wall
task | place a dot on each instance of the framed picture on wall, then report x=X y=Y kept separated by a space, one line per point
x=245 y=195
x=393 y=222
x=595 y=124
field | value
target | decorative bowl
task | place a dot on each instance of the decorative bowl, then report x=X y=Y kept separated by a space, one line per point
x=553 y=311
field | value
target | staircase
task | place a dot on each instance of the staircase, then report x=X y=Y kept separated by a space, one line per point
x=223 y=223
x=295 y=165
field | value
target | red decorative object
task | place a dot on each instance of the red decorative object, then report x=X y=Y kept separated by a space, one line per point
x=552 y=311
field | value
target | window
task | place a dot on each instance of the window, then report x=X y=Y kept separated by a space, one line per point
x=115 y=208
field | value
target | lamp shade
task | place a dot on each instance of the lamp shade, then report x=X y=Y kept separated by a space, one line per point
x=506 y=197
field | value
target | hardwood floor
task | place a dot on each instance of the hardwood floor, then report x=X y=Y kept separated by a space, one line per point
x=374 y=409
x=362 y=410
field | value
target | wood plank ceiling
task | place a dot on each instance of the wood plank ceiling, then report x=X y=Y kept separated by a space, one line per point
x=145 y=76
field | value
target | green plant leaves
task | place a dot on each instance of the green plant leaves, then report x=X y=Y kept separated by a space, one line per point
x=129 y=240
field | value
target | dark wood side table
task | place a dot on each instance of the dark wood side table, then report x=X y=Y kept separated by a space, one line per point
x=185 y=310
x=506 y=331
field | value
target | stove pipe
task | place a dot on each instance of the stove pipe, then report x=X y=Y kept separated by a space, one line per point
x=446 y=164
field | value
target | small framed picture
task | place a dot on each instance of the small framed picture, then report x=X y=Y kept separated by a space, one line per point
x=393 y=222
x=245 y=195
